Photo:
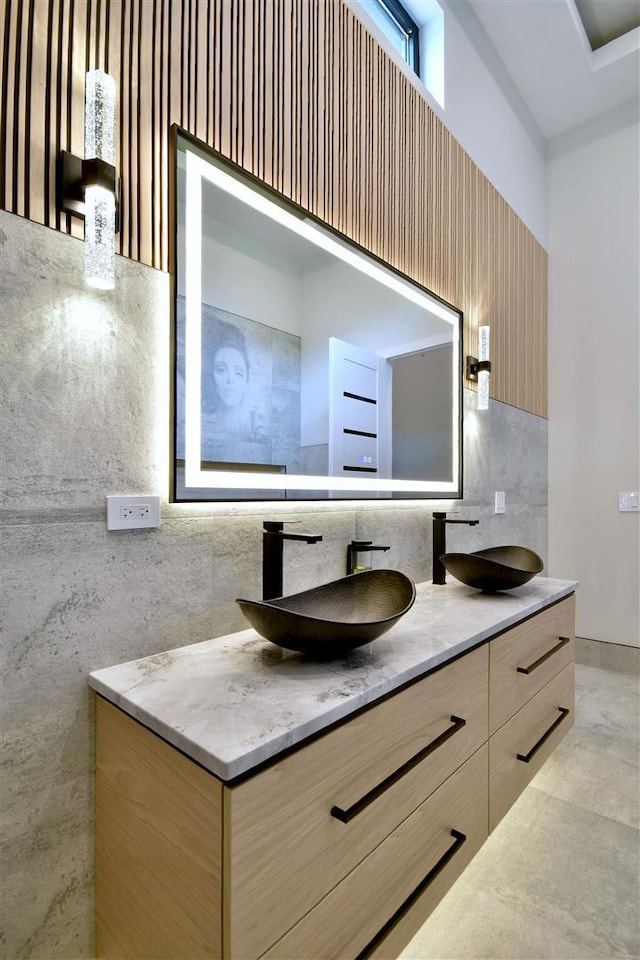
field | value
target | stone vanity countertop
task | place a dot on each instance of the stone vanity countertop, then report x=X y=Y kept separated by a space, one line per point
x=233 y=702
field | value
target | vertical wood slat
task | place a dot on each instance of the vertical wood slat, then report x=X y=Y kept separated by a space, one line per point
x=39 y=152
x=4 y=68
x=124 y=165
x=11 y=81
x=246 y=87
x=301 y=95
x=154 y=142
x=79 y=22
x=144 y=131
x=49 y=124
x=19 y=107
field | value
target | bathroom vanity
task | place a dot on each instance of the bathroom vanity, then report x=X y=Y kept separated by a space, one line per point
x=251 y=803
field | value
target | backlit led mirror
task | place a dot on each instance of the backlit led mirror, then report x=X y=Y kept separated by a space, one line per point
x=304 y=368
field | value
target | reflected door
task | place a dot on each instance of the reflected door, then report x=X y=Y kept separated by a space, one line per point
x=359 y=424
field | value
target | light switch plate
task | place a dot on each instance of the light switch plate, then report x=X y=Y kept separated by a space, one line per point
x=500 y=502
x=629 y=501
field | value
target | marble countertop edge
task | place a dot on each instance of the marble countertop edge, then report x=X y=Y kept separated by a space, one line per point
x=234 y=702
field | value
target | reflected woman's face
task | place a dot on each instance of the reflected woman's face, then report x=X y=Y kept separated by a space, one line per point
x=230 y=376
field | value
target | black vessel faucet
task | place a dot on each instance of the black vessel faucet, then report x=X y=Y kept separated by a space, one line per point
x=439 y=572
x=273 y=538
x=359 y=546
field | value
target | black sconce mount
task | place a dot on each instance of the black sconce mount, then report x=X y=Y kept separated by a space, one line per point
x=475 y=366
x=76 y=174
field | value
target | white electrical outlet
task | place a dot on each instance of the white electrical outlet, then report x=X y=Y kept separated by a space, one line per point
x=629 y=501
x=133 y=512
x=500 y=502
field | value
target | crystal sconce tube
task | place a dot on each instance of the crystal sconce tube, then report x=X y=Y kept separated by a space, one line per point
x=479 y=368
x=100 y=201
x=87 y=188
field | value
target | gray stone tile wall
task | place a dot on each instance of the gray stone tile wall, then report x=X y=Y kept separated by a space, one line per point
x=84 y=414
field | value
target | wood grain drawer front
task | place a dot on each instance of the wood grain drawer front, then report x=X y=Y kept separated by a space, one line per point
x=284 y=848
x=524 y=659
x=389 y=895
x=520 y=747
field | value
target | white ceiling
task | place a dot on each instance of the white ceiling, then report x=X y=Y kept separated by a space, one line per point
x=544 y=48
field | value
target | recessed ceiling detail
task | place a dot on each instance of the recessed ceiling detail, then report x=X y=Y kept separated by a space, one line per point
x=545 y=49
x=606 y=21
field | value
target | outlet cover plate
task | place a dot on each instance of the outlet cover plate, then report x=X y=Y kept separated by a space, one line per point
x=134 y=512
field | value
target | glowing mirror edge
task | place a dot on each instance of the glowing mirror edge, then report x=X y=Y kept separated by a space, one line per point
x=198 y=169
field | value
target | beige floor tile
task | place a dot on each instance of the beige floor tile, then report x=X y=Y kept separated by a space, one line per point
x=559 y=879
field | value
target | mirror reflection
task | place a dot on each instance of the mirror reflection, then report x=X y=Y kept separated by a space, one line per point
x=304 y=368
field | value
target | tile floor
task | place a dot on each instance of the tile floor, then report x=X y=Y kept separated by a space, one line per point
x=559 y=878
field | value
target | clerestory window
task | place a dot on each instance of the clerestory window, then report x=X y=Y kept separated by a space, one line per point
x=399 y=27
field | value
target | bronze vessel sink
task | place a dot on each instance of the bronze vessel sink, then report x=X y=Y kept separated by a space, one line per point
x=498 y=568
x=335 y=617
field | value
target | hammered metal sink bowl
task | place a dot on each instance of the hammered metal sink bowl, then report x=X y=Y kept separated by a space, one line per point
x=331 y=619
x=498 y=568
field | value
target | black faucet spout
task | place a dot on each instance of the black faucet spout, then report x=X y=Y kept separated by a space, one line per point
x=307 y=538
x=273 y=538
x=438 y=571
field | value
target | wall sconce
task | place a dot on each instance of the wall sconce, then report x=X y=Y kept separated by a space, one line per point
x=87 y=188
x=479 y=368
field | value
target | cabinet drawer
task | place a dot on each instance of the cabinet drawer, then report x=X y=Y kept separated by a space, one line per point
x=285 y=847
x=389 y=895
x=524 y=659
x=520 y=747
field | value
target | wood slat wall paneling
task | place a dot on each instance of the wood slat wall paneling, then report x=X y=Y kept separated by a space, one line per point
x=301 y=95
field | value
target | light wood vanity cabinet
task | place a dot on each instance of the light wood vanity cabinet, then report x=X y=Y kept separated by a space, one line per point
x=389 y=895
x=531 y=700
x=340 y=848
x=526 y=657
x=158 y=846
x=287 y=848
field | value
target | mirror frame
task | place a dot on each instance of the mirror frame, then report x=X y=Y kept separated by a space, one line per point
x=248 y=478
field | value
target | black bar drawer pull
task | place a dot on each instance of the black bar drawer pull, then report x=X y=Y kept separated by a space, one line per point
x=345 y=815
x=459 y=839
x=564 y=712
x=545 y=656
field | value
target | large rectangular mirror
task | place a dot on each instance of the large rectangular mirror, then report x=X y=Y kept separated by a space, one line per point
x=304 y=368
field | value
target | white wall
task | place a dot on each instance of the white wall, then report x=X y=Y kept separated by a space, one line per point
x=483 y=111
x=243 y=283
x=594 y=359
